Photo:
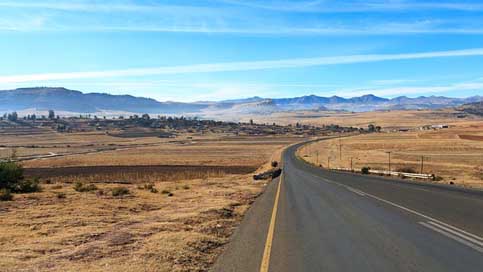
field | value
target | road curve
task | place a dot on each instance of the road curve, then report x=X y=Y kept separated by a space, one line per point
x=333 y=221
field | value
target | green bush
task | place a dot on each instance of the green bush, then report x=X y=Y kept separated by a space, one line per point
x=365 y=170
x=12 y=179
x=165 y=192
x=5 y=195
x=120 y=191
x=81 y=187
x=10 y=174
x=27 y=186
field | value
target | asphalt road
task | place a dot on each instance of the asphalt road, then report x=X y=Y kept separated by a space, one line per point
x=316 y=220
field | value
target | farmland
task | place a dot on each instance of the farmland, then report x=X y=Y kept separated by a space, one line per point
x=455 y=155
x=182 y=197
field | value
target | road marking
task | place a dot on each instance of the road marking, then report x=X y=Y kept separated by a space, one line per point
x=454 y=237
x=456 y=233
x=436 y=225
x=356 y=191
x=268 y=244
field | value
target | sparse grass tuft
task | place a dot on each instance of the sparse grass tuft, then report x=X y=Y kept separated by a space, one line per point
x=81 y=187
x=60 y=195
x=5 y=195
x=120 y=191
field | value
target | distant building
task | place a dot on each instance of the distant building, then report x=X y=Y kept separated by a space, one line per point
x=439 y=126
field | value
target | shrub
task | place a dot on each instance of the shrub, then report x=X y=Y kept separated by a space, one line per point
x=27 y=186
x=274 y=163
x=120 y=191
x=10 y=174
x=365 y=170
x=165 y=192
x=5 y=195
x=186 y=187
x=81 y=187
x=406 y=170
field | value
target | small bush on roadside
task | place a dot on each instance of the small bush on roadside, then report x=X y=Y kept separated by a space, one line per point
x=365 y=170
x=274 y=163
x=81 y=187
x=5 y=195
x=120 y=191
x=186 y=187
x=165 y=192
x=406 y=170
x=437 y=178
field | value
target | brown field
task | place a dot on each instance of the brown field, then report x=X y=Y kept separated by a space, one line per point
x=144 y=231
x=455 y=154
x=61 y=229
x=385 y=119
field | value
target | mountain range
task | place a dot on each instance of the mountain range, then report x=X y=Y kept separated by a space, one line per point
x=62 y=99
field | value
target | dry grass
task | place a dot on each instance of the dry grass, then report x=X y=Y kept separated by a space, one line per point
x=252 y=151
x=386 y=119
x=173 y=220
x=457 y=159
x=142 y=231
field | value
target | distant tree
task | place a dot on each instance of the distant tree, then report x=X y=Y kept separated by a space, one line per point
x=378 y=129
x=251 y=122
x=13 y=116
x=51 y=114
x=371 y=128
x=146 y=116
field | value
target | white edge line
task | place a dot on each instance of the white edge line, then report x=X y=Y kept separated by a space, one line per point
x=409 y=210
x=449 y=235
x=456 y=233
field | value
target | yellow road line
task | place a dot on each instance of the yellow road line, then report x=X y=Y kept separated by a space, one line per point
x=268 y=244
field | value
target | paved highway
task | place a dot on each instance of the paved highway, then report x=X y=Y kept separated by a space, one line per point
x=316 y=220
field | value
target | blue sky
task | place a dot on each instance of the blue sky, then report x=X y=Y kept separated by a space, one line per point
x=219 y=49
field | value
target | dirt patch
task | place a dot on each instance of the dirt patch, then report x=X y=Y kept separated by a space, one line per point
x=471 y=137
x=145 y=169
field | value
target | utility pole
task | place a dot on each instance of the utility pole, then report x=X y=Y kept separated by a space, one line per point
x=389 y=153
x=422 y=164
x=340 y=150
x=317 y=152
x=351 y=165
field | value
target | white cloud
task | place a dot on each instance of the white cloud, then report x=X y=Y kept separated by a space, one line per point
x=238 y=66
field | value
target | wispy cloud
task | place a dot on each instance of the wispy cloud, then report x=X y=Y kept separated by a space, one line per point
x=239 y=66
x=322 y=6
x=238 y=17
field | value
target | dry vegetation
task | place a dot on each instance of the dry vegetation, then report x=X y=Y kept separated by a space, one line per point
x=180 y=226
x=182 y=200
x=455 y=154
x=386 y=119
